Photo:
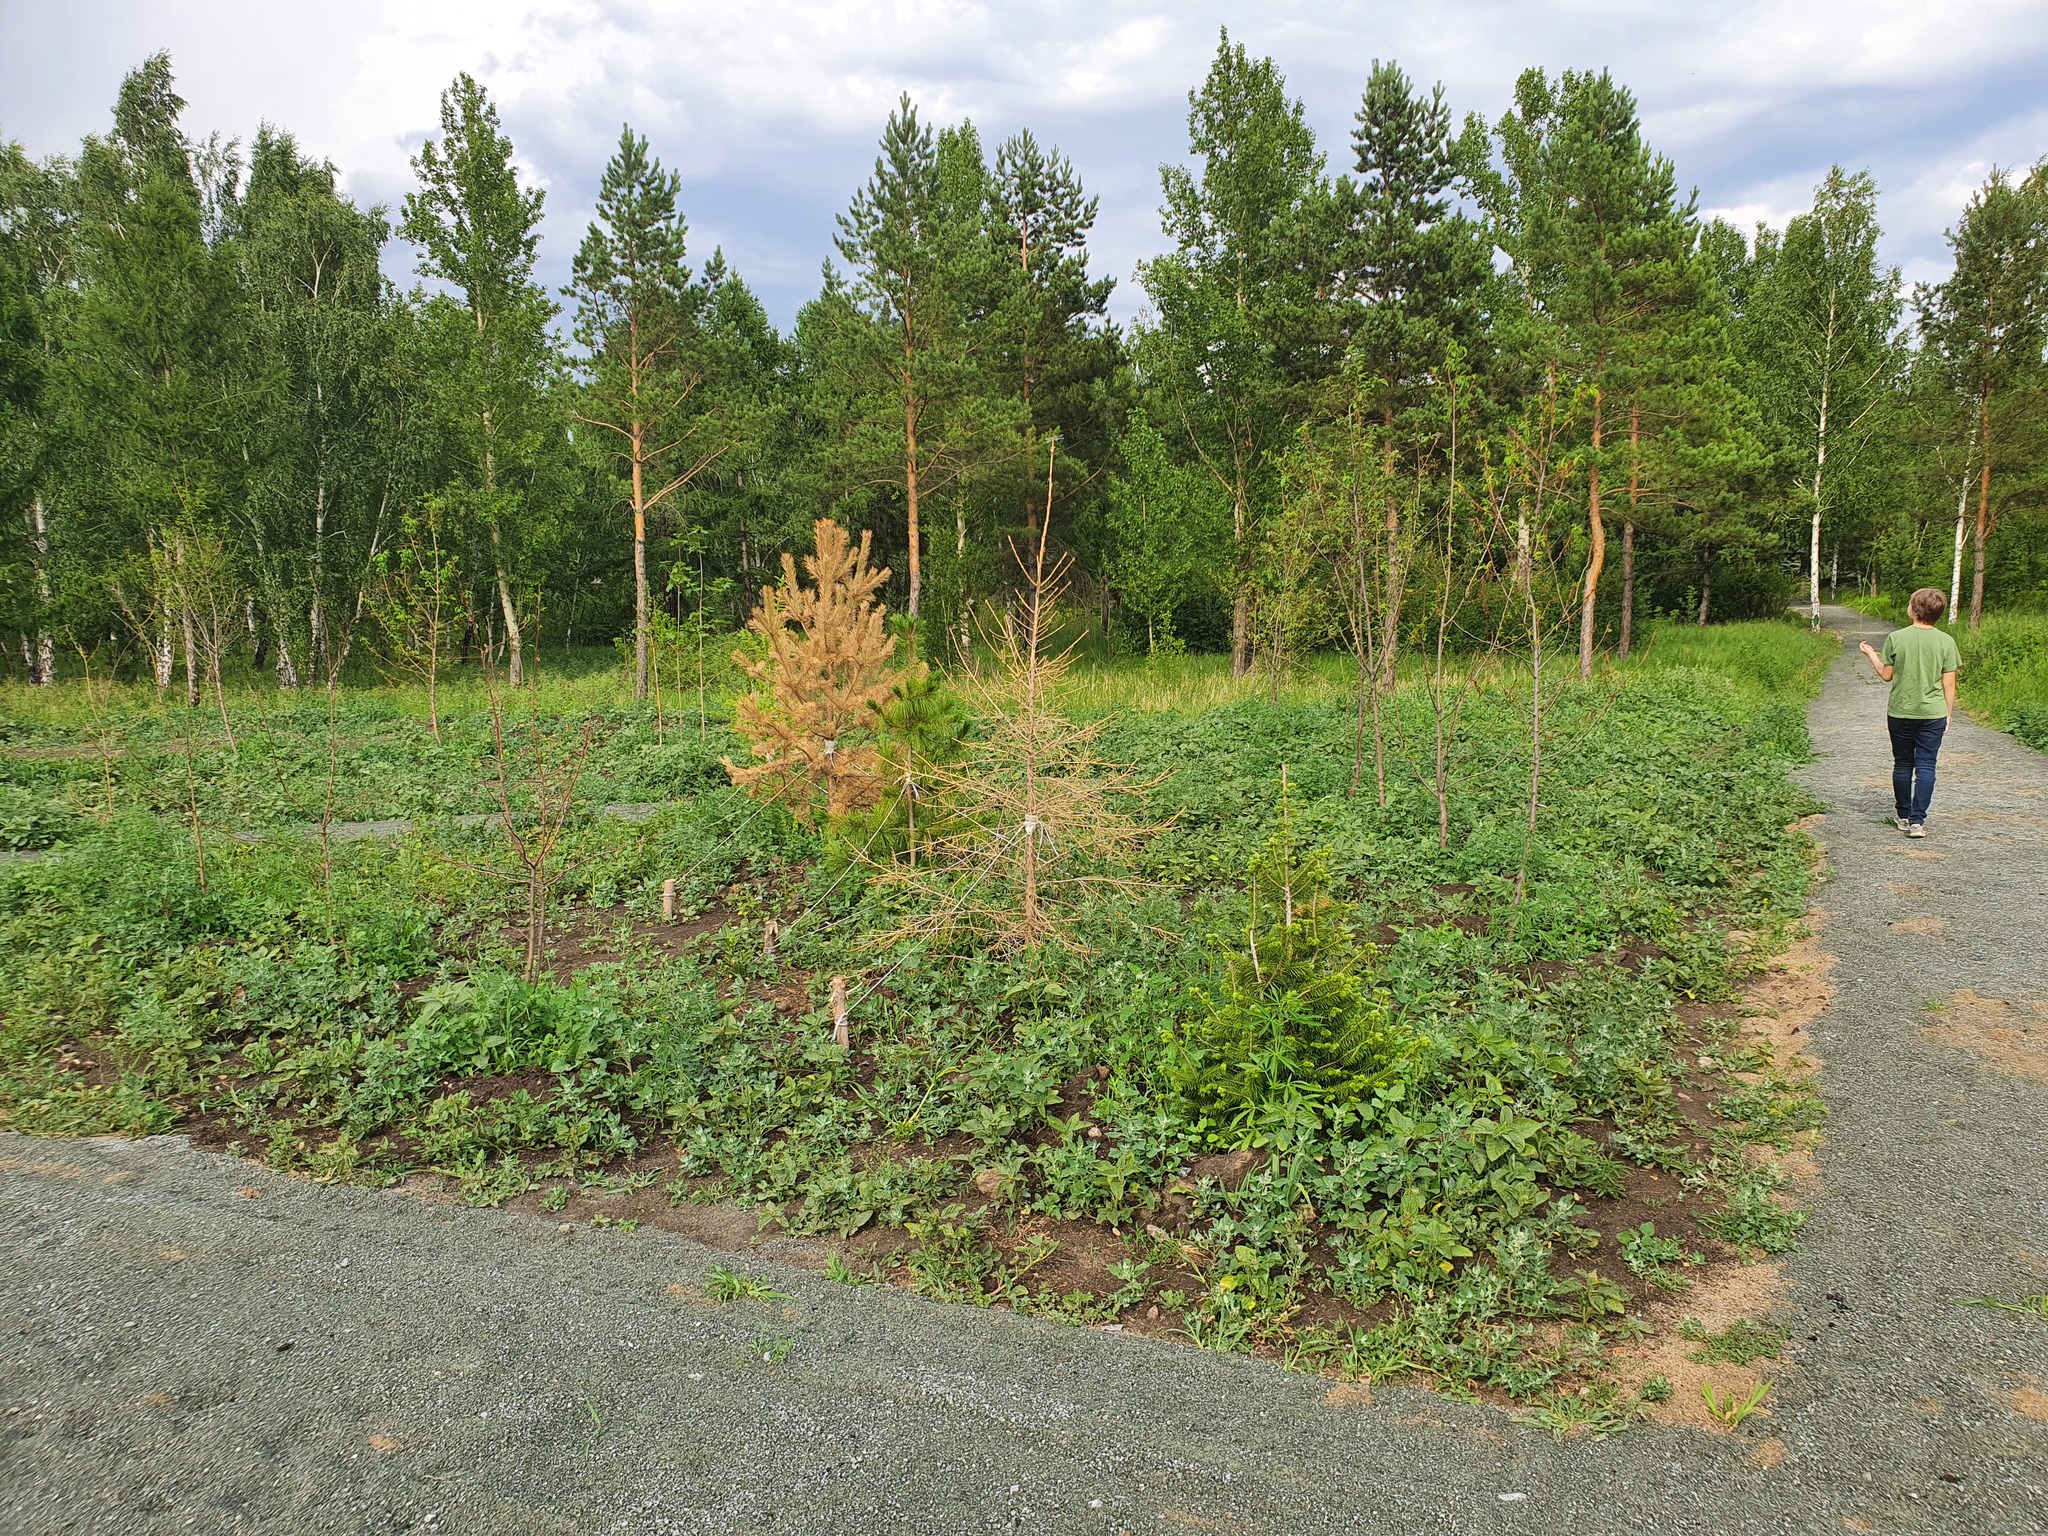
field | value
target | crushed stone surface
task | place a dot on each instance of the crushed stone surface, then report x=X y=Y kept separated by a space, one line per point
x=191 y=1343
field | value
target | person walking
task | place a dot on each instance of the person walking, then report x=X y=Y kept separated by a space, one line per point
x=1920 y=663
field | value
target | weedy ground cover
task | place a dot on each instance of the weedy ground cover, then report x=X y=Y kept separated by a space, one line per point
x=1318 y=1079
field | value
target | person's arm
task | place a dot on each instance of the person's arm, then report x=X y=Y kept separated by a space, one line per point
x=1877 y=662
x=1948 y=688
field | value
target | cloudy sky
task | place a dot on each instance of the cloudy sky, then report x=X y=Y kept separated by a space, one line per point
x=771 y=108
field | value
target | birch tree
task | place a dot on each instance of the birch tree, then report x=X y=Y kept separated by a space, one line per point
x=1987 y=323
x=1818 y=328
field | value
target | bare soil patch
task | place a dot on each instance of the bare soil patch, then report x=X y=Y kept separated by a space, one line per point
x=2008 y=1037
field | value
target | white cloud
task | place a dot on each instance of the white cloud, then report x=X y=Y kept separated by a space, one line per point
x=771 y=109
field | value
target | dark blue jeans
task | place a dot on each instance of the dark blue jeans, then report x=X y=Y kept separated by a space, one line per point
x=1915 y=745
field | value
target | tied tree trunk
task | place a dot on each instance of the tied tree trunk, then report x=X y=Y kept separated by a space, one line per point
x=1598 y=559
x=1706 y=593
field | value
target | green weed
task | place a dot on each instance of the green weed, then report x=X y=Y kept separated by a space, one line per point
x=1732 y=1410
x=723 y=1284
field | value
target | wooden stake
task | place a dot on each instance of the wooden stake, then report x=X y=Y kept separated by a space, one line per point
x=841 y=1034
x=668 y=901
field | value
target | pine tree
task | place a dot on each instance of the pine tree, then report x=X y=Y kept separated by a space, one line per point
x=478 y=230
x=1029 y=821
x=822 y=675
x=641 y=319
x=1591 y=219
x=895 y=362
x=1414 y=273
x=1056 y=352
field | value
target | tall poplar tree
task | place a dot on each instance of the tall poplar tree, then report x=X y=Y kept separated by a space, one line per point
x=37 y=287
x=315 y=422
x=478 y=230
x=146 y=358
x=1235 y=300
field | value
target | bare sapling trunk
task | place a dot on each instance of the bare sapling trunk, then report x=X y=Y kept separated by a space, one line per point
x=1241 y=597
x=1597 y=560
x=191 y=658
x=533 y=834
x=642 y=630
x=911 y=488
x=1628 y=531
x=1395 y=582
x=1535 y=740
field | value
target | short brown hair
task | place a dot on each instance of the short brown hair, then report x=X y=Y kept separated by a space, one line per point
x=1927 y=605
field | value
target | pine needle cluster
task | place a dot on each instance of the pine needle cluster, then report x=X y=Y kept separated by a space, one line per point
x=824 y=673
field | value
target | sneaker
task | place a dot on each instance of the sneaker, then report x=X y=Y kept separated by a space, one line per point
x=1916 y=830
x=1900 y=822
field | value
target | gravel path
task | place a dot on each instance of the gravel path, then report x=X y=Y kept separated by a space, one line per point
x=192 y=1344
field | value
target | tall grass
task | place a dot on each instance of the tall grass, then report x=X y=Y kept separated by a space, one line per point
x=2004 y=676
x=1768 y=656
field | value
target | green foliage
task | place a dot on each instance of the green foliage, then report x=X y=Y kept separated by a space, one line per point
x=1435 y=1080
x=1303 y=1033
x=723 y=1284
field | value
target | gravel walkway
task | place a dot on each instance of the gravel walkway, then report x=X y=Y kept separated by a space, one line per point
x=192 y=1344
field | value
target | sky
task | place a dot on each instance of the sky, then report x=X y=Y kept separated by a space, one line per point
x=771 y=109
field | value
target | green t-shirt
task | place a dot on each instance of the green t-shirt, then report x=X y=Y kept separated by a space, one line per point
x=1919 y=657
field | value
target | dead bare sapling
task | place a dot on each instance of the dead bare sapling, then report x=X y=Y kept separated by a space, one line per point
x=1029 y=821
x=1527 y=488
x=412 y=598
x=535 y=766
